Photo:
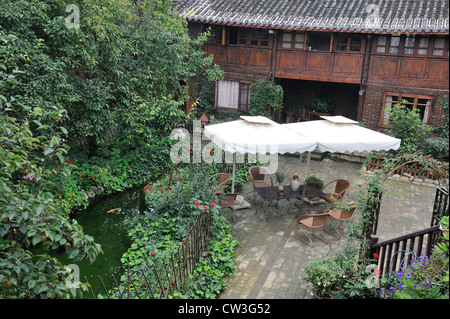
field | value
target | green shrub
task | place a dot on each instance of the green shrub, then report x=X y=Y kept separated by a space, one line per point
x=322 y=104
x=266 y=94
x=436 y=147
x=406 y=124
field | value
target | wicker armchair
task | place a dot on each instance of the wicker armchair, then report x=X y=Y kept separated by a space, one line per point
x=342 y=215
x=340 y=187
x=257 y=174
x=221 y=179
x=311 y=222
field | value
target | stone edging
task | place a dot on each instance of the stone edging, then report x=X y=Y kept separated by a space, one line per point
x=411 y=179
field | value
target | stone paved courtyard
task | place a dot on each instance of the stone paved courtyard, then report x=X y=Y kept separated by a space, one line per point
x=270 y=257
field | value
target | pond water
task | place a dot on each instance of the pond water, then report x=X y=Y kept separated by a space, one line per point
x=110 y=231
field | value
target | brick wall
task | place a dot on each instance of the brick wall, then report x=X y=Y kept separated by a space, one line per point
x=374 y=100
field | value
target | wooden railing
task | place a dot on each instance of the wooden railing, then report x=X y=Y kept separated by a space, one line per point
x=392 y=252
x=441 y=206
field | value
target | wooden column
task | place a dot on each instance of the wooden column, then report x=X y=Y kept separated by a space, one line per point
x=275 y=36
x=364 y=76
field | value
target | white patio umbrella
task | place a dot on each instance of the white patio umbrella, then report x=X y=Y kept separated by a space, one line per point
x=256 y=134
x=340 y=134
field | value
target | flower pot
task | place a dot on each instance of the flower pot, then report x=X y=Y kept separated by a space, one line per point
x=281 y=190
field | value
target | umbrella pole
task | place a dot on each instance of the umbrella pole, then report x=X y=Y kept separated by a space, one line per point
x=307 y=165
x=234 y=172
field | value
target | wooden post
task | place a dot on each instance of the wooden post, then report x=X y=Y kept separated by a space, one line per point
x=364 y=76
x=223 y=35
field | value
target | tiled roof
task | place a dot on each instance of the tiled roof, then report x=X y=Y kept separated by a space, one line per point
x=391 y=16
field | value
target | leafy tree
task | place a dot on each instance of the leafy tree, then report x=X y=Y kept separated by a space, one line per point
x=30 y=215
x=406 y=124
x=115 y=85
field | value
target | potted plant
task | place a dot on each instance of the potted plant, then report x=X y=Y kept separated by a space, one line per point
x=317 y=183
x=314 y=181
x=322 y=105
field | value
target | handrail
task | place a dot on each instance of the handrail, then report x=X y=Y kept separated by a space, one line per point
x=408 y=236
x=414 y=242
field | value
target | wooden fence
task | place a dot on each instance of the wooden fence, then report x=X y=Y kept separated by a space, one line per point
x=164 y=276
x=414 y=170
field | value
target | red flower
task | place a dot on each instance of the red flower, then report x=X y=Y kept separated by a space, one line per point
x=197 y=203
x=212 y=205
x=205 y=207
x=377 y=271
x=153 y=254
x=376 y=256
x=172 y=283
x=68 y=161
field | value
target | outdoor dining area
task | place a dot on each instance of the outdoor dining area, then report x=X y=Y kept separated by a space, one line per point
x=280 y=231
x=260 y=135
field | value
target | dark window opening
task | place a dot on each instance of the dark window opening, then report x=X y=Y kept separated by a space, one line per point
x=319 y=41
x=233 y=35
x=264 y=38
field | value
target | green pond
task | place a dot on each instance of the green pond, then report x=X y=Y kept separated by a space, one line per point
x=110 y=231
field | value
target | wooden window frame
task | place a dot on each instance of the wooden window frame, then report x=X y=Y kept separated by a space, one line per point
x=293 y=41
x=400 y=97
x=216 y=37
x=349 y=43
x=415 y=48
x=310 y=35
x=246 y=105
x=445 y=48
x=248 y=37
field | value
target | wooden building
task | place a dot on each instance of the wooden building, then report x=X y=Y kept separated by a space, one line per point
x=361 y=54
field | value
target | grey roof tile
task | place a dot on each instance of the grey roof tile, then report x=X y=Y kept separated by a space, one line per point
x=405 y=16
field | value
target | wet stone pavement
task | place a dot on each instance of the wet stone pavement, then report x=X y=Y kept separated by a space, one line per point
x=271 y=255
